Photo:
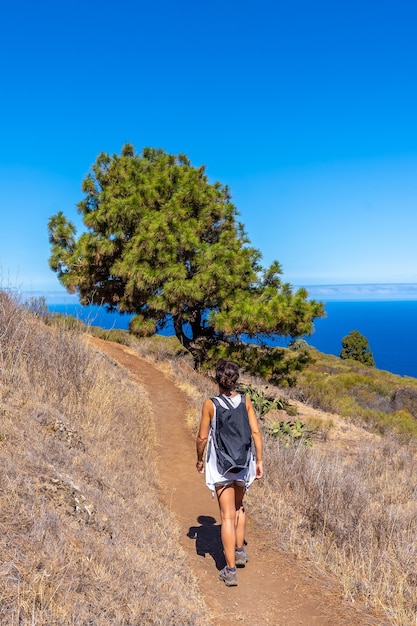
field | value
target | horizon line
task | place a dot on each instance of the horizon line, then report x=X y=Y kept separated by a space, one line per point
x=327 y=291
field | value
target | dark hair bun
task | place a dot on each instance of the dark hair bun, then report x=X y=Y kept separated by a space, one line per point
x=227 y=374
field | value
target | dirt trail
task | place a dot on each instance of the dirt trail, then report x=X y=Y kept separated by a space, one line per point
x=273 y=588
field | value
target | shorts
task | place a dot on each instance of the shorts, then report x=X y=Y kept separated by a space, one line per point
x=227 y=483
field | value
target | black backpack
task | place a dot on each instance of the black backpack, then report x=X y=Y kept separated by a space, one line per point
x=233 y=437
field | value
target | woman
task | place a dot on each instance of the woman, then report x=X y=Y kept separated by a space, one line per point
x=229 y=486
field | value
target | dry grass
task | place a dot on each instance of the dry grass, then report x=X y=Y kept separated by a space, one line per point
x=355 y=519
x=81 y=521
x=168 y=355
x=352 y=517
x=82 y=525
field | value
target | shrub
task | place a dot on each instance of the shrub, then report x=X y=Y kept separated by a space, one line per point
x=355 y=346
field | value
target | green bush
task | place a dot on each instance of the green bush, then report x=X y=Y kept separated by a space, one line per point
x=356 y=392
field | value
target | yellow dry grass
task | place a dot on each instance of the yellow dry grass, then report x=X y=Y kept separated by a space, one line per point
x=346 y=507
x=84 y=537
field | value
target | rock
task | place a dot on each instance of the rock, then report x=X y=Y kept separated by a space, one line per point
x=404 y=399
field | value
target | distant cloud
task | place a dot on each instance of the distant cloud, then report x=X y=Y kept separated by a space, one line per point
x=386 y=291
x=371 y=291
x=53 y=297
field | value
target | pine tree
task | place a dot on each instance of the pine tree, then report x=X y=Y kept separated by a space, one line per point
x=355 y=346
x=162 y=242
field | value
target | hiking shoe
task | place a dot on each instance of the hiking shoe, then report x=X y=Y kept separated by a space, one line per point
x=229 y=576
x=241 y=557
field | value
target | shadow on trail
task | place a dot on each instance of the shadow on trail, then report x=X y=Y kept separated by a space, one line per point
x=208 y=540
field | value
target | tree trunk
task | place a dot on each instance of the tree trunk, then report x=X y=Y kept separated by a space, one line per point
x=195 y=346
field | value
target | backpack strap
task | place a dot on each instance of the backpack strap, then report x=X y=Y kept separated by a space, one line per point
x=225 y=400
x=216 y=403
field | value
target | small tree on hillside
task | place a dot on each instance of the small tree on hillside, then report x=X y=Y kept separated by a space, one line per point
x=162 y=242
x=355 y=346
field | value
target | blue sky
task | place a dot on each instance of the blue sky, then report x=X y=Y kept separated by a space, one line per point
x=306 y=110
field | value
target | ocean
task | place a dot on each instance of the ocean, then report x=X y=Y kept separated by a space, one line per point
x=389 y=327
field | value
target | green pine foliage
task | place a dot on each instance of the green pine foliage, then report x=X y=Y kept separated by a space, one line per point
x=160 y=242
x=355 y=346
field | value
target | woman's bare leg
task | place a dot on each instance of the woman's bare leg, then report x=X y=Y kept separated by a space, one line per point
x=227 y=505
x=240 y=516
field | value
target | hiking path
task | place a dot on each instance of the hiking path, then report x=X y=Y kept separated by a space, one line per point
x=274 y=588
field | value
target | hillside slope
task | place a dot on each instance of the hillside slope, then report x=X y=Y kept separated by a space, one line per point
x=81 y=522
x=274 y=588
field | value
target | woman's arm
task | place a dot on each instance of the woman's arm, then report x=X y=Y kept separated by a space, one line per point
x=256 y=436
x=207 y=414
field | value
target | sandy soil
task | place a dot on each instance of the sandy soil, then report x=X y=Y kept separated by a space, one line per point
x=274 y=588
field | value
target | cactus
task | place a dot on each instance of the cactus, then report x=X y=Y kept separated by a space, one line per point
x=261 y=403
x=291 y=432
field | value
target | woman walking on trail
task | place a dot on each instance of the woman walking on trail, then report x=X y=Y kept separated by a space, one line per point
x=229 y=421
